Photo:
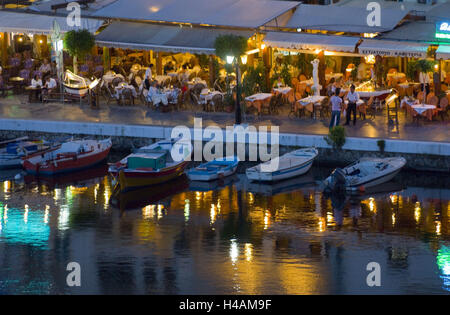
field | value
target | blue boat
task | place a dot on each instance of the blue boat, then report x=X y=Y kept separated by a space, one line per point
x=216 y=169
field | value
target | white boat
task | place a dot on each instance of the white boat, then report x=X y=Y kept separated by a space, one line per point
x=364 y=173
x=76 y=85
x=290 y=165
x=216 y=169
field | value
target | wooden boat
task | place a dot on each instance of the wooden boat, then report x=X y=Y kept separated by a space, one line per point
x=148 y=166
x=364 y=173
x=77 y=86
x=290 y=165
x=70 y=157
x=216 y=169
x=14 y=153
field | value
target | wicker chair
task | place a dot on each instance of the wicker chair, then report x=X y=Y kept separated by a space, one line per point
x=127 y=96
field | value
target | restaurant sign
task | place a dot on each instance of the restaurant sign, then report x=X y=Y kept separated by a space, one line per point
x=443 y=30
x=392 y=52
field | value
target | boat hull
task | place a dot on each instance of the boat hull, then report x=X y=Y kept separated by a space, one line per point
x=79 y=92
x=376 y=181
x=66 y=166
x=297 y=170
x=129 y=179
x=211 y=177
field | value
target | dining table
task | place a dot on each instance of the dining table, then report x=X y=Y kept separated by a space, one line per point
x=17 y=83
x=162 y=78
x=258 y=100
x=309 y=102
x=195 y=81
x=122 y=87
x=415 y=108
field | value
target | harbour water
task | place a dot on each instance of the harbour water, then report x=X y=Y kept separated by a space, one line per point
x=229 y=237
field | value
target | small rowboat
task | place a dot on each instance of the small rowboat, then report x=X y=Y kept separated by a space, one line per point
x=290 y=165
x=367 y=172
x=71 y=156
x=14 y=153
x=148 y=166
x=218 y=168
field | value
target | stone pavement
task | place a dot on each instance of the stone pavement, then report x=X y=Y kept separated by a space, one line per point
x=17 y=107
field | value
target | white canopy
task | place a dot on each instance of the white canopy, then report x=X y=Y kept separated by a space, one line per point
x=343 y=18
x=443 y=52
x=301 y=41
x=389 y=48
x=233 y=13
x=160 y=37
x=40 y=24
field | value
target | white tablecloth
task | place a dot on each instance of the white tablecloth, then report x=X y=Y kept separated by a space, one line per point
x=207 y=97
x=311 y=99
x=162 y=78
x=421 y=108
x=283 y=90
x=108 y=78
x=358 y=103
x=121 y=87
x=258 y=97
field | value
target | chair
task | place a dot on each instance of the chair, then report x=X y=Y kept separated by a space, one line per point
x=4 y=88
x=433 y=100
x=116 y=81
x=421 y=96
x=325 y=110
x=217 y=102
x=110 y=95
x=302 y=77
x=28 y=64
x=267 y=108
x=371 y=108
x=127 y=95
x=443 y=107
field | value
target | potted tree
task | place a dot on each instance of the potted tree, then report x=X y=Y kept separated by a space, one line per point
x=78 y=43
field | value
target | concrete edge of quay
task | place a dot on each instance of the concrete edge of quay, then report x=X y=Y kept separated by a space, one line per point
x=440 y=150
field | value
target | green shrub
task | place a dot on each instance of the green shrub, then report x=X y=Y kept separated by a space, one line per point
x=230 y=45
x=336 y=137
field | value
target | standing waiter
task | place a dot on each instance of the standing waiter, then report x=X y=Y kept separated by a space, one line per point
x=353 y=98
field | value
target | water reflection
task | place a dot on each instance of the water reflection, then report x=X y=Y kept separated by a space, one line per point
x=223 y=237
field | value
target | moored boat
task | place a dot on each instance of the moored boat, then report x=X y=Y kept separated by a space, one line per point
x=15 y=152
x=69 y=157
x=148 y=166
x=290 y=165
x=76 y=85
x=215 y=169
x=365 y=173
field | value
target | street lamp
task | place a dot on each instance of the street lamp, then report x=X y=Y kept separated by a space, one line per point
x=238 y=116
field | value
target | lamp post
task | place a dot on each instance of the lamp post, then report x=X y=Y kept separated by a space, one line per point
x=238 y=113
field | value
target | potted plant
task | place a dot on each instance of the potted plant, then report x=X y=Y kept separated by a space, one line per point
x=78 y=43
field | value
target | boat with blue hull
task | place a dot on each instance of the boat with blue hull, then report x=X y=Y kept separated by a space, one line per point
x=216 y=169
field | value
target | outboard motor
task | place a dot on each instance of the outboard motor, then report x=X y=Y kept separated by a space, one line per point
x=337 y=180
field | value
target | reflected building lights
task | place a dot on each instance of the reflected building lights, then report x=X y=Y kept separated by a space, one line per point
x=160 y=211
x=393 y=219
x=148 y=212
x=213 y=213
x=5 y=214
x=438 y=228
x=234 y=251
x=322 y=224
x=372 y=205
x=248 y=252
x=417 y=211
x=25 y=214
x=266 y=220
x=186 y=210
x=6 y=186
x=46 y=213
x=57 y=195
x=96 y=192
x=63 y=218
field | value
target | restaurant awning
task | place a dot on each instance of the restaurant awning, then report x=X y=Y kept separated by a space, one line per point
x=160 y=37
x=388 y=48
x=232 y=13
x=302 y=41
x=41 y=24
x=443 y=52
x=343 y=18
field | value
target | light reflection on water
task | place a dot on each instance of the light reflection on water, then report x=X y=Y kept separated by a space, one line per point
x=238 y=238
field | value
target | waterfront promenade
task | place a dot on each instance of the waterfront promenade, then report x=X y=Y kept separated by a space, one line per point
x=14 y=107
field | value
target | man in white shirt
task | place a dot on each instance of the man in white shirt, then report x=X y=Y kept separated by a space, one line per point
x=352 y=98
x=336 y=107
